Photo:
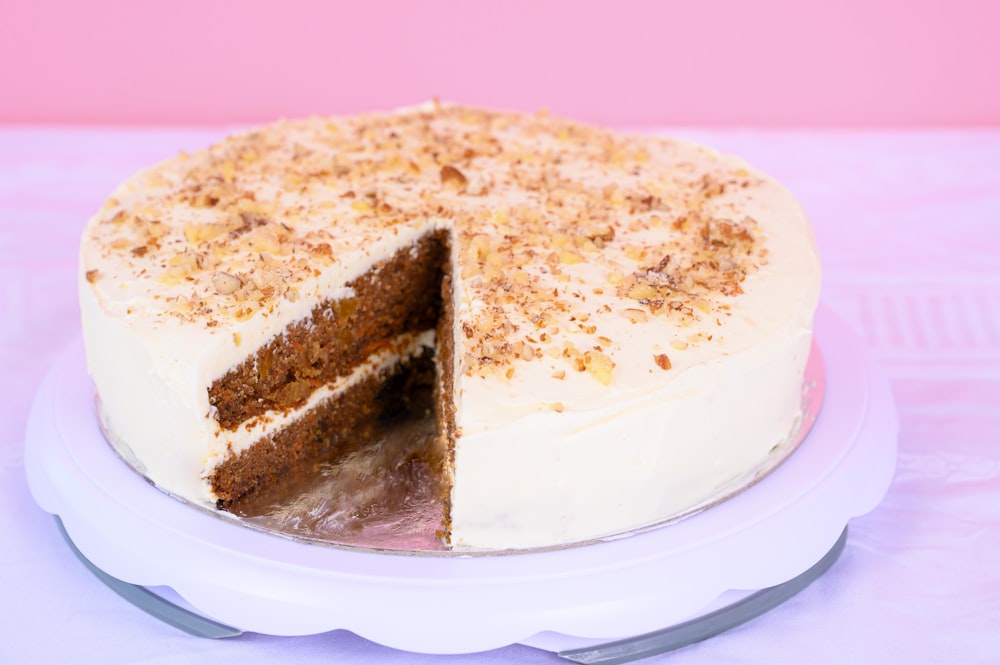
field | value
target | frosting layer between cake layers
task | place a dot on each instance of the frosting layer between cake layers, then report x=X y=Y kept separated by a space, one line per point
x=631 y=314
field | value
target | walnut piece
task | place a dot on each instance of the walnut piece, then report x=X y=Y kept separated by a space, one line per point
x=450 y=176
x=225 y=283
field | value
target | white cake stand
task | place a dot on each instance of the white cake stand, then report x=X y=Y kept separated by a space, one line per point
x=607 y=602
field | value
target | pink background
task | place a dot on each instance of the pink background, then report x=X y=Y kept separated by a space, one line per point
x=847 y=63
x=907 y=221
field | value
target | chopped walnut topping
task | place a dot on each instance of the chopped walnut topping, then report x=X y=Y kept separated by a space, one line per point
x=636 y=315
x=92 y=275
x=662 y=361
x=453 y=177
x=537 y=206
x=599 y=366
x=225 y=283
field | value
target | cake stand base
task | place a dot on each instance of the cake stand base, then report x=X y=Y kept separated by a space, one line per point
x=731 y=610
x=606 y=602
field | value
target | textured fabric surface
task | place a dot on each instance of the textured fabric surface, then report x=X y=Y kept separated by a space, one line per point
x=908 y=224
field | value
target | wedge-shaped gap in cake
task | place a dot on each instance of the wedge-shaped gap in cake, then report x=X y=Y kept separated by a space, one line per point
x=370 y=353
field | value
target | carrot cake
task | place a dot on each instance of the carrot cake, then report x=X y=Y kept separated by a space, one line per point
x=619 y=323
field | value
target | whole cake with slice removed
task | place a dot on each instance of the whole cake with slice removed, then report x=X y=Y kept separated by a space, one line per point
x=619 y=323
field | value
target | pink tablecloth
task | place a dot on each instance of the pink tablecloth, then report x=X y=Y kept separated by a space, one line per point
x=909 y=228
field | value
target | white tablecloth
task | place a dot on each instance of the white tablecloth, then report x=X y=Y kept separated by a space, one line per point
x=908 y=224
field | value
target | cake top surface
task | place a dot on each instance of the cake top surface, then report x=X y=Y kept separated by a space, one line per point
x=566 y=238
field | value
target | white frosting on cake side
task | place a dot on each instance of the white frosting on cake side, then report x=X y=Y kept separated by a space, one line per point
x=603 y=459
x=167 y=431
x=632 y=314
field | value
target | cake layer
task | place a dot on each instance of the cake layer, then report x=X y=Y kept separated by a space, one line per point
x=625 y=323
x=332 y=427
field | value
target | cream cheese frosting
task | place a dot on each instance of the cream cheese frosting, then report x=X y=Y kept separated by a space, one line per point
x=632 y=314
